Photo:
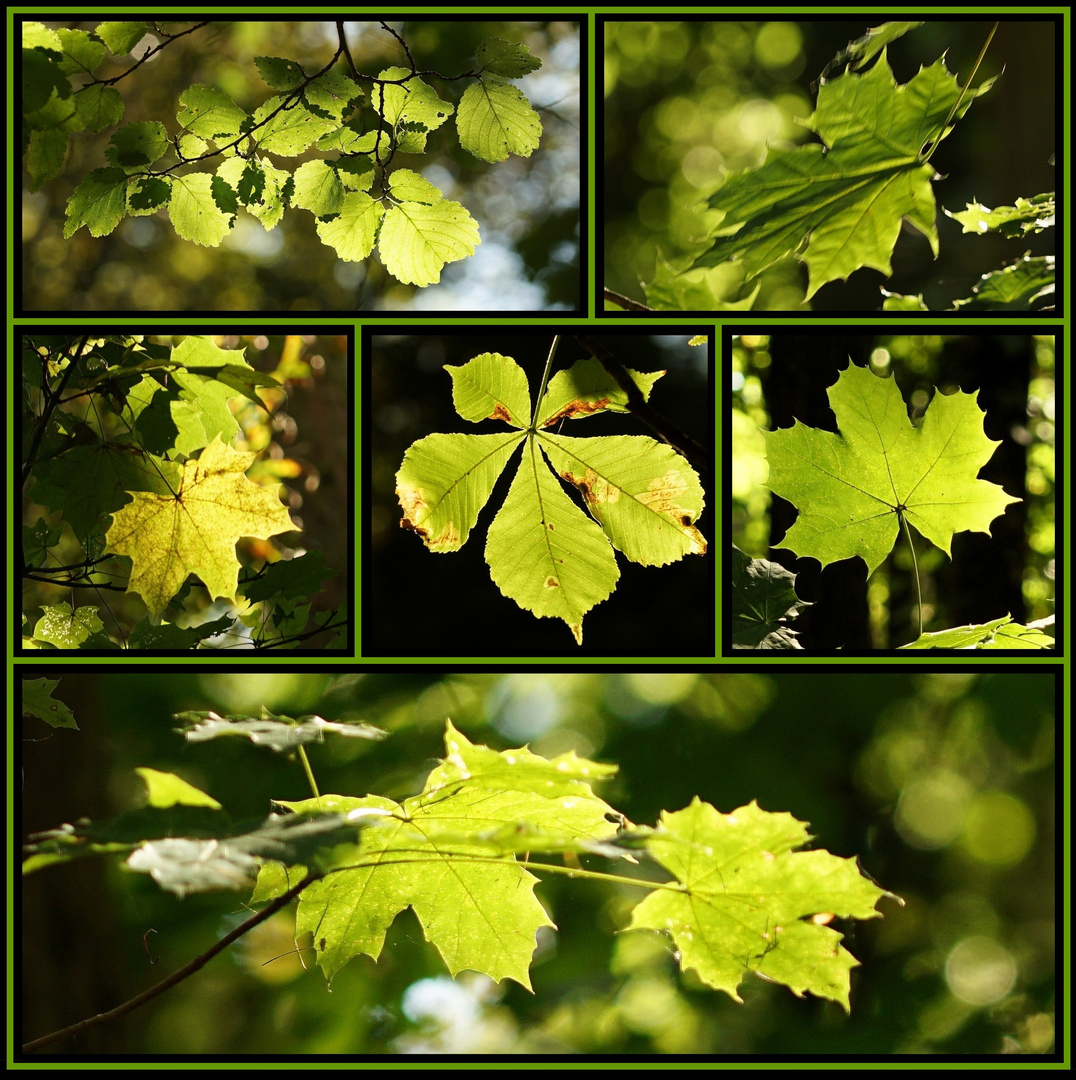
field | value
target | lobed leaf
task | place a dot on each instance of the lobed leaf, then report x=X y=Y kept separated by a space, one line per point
x=848 y=486
x=38 y=702
x=764 y=600
x=748 y=898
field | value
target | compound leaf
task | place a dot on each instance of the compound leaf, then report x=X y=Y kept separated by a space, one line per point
x=195 y=531
x=849 y=486
x=495 y=119
x=839 y=206
x=748 y=899
x=542 y=550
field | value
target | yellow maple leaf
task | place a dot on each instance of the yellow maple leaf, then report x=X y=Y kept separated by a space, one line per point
x=195 y=530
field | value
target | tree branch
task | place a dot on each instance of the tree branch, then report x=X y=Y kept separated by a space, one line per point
x=625 y=302
x=176 y=977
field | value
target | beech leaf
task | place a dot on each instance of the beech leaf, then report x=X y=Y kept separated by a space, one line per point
x=849 y=486
x=195 y=531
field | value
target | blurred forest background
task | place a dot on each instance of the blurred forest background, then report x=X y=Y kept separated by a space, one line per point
x=424 y=604
x=304 y=445
x=527 y=208
x=783 y=377
x=686 y=100
x=940 y=784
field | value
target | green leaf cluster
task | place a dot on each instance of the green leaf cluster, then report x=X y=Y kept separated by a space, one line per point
x=219 y=159
x=642 y=497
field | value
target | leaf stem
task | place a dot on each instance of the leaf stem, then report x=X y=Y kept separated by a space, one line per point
x=309 y=773
x=545 y=380
x=952 y=112
x=915 y=567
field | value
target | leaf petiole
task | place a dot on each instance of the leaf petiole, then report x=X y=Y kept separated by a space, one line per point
x=545 y=380
x=915 y=566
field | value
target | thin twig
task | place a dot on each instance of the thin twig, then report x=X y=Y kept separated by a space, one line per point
x=176 y=977
x=680 y=441
x=625 y=302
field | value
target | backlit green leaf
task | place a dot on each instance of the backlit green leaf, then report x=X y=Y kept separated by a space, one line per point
x=194 y=211
x=99 y=202
x=318 y=189
x=208 y=112
x=67 y=629
x=502 y=58
x=748 y=899
x=354 y=230
x=495 y=119
x=848 y=486
x=121 y=37
x=839 y=206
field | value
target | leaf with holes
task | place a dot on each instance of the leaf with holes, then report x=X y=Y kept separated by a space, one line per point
x=849 y=486
x=195 y=530
x=543 y=552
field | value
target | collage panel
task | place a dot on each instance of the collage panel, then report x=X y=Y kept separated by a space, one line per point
x=266 y=164
x=538 y=865
x=807 y=163
x=585 y=539
x=185 y=491
x=892 y=491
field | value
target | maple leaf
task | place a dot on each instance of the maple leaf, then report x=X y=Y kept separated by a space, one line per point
x=195 y=530
x=748 y=900
x=443 y=853
x=839 y=206
x=850 y=486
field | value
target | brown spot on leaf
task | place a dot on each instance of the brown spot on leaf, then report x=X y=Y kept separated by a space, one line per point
x=552 y=583
x=500 y=413
x=578 y=407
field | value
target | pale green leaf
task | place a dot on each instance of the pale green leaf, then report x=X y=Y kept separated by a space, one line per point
x=261 y=187
x=278 y=733
x=1015 y=287
x=491 y=386
x=495 y=119
x=545 y=553
x=99 y=107
x=418 y=238
x=849 y=486
x=318 y=189
x=645 y=495
x=675 y=286
x=1027 y=216
x=36 y=35
x=82 y=51
x=411 y=110
x=194 y=212
x=354 y=230
x=502 y=58
x=437 y=853
x=586 y=389
x=748 y=898
x=99 y=203
x=121 y=37
x=195 y=532
x=166 y=789
x=445 y=480
x=841 y=208
x=291 y=130
x=45 y=156
x=1000 y=634
x=209 y=113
